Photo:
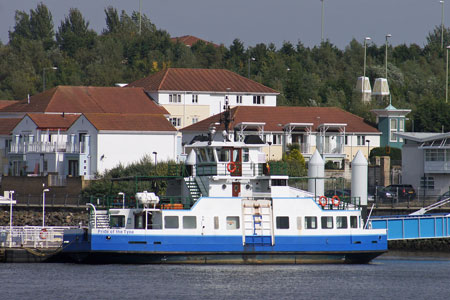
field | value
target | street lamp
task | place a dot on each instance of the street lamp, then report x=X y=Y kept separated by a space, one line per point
x=387 y=36
x=249 y=62
x=155 y=153
x=442 y=24
x=43 y=75
x=368 y=150
x=43 y=206
x=123 y=199
x=365 y=51
x=321 y=27
x=446 y=79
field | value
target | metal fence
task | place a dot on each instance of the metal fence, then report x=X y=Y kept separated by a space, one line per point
x=31 y=236
x=50 y=200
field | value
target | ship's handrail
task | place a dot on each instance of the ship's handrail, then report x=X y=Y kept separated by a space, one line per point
x=32 y=236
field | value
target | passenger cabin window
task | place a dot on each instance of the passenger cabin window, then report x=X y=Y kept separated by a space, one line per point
x=279 y=182
x=223 y=154
x=216 y=222
x=233 y=223
x=341 y=222
x=310 y=222
x=171 y=222
x=245 y=155
x=117 y=221
x=282 y=222
x=353 y=222
x=189 y=222
x=327 y=222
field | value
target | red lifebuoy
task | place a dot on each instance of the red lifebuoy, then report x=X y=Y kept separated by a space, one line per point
x=323 y=200
x=43 y=234
x=268 y=168
x=231 y=167
x=336 y=201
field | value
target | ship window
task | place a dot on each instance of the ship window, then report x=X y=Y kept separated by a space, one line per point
x=232 y=223
x=353 y=221
x=224 y=154
x=282 y=222
x=171 y=222
x=201 y=155
x=341 y=222
x=310 y=222
x=117 y=221
x=189 y=222
x=216 y=222
x=299 y=223
x=279 y=182
x=327 y=222
x=210 y=154
x=245 y=155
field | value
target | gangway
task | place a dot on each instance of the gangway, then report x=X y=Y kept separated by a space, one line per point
x=424 y=210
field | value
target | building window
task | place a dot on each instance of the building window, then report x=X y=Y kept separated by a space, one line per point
x=175 y=98
x=282 y=222
x=327 y=222
x=258 y=100
x=239 y=99
x=435 y=154
x=175 y=121
x=346 y=140
x=194 y=120
x=310 y=222
x=427 y=183
x=276 y=139
x=361 y=140
x=393 y=129
x=194 y=98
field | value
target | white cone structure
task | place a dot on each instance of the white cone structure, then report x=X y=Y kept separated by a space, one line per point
x=316 y=168
x=381 y=87
x=191 y=159
x=359 y=177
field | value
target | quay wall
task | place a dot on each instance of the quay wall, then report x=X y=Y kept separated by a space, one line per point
x=32 y=216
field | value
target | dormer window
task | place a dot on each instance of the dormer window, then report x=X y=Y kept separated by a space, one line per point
x=175 y=98
x=258 y=99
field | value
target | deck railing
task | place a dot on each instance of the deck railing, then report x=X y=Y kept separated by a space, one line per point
x=31 y=236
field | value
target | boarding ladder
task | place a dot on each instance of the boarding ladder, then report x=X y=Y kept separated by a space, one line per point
x=100 y=219
x=193 y=188
x=257 y=222
x=424 y=210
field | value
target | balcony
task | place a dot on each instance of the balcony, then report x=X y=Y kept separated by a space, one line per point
x=47 y=147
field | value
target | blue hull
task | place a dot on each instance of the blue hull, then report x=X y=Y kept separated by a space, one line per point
x=101 y=248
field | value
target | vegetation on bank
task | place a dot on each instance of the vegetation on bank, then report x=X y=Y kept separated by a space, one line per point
x=319 y=76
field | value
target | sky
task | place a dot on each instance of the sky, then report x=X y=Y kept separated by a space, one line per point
x=261 y=21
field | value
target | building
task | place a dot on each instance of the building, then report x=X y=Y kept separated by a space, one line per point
x=337 y=134
x=390 y=121
x=191 y=95
x=6 y=127
x=426 y=162
x=190 y=40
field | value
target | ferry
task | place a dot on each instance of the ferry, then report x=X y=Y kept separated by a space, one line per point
x=243 y=214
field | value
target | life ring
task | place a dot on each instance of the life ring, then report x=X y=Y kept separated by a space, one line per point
x=43 y=234
x=268 y=168
x=335 y=200
x=323 y=200
x=231 y=167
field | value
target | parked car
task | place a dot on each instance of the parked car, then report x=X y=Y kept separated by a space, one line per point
x=340 y=193
x=384 y=195
x=405 y=191
x=443 y=196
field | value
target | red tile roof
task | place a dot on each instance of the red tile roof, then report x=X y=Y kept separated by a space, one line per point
x=273 y=116
x=190 y=40
x=83 y=99
x=8 y=124
x=5 y=103
x=53 y=121
x=200 y=80
x=130 y=122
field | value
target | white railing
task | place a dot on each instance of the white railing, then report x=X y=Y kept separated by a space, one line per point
x=31 y=236
x=48 y=147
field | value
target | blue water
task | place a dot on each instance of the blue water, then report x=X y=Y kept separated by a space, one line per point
x=389 y=277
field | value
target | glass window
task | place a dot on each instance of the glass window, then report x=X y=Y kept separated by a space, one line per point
x=232 y=223
x=117 y=221
x=239 y=99
x=224 y=154
x=393 y=129
x=341 y=222
x=171 y=222
x=361 y=140
x=310 y=222
x=427 y=183
x=216 y=222
x=246 y=155
x=327 y=222
x=194 y=98
x=189 y=222
x=353 y=221
x=282 y=222
x=236 y=157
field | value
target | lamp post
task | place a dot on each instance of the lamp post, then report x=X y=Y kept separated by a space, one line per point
x=321 y=27
x=11 y=193
x=250 y=59
x=442 y=24
x=446 y=79
x=43 y=75
x=123 y=199
x=368 y=150
x=155 y=153
x=365 y=51
x=385 y=56
x=43 y=206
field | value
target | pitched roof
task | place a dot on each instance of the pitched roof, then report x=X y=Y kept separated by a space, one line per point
x=8 y=124
x=190 y=40
x=130 y=122
x=273 y=117
x=200 y=80
x=53 y=121
x=83 y=99
x=5 y=103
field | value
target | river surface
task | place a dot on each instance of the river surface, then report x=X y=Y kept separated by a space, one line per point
x=392 y=276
